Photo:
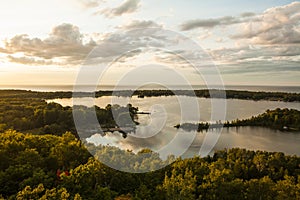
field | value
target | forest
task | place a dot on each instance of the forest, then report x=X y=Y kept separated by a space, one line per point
x=36 y=116
x=279 y=119
x=60 y=167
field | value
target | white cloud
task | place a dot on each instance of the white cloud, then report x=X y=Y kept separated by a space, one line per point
x=278 y=25
x=91 y=3
x=140 y=24
x=64 y=42
x=266 y=42
x=213 y=22
x=257 y=59
x=241 y=54
x=128 y=6
x=30 y=60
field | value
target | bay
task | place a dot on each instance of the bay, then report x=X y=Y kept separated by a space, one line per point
x=156 y=131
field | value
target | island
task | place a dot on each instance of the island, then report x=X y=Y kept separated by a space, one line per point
x=279 y=119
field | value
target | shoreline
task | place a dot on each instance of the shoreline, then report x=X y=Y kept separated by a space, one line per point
x=90 y=88
x=204 y=93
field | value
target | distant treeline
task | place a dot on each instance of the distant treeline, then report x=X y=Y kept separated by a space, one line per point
x=231 y=94
x=280 y=119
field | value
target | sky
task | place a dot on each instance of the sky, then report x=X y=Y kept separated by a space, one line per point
x=244 y=42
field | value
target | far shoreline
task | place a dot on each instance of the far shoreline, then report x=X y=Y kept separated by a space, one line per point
x=204 y=93
x=91 y=88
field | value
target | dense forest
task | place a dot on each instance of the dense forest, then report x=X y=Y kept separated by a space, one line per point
x=60 y=167
x=280 y=119
x=213 y=93
x=35 y=115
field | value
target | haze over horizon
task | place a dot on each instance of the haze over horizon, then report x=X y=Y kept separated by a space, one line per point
x=251 y=42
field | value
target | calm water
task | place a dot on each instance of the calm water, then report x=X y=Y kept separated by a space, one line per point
x=156 y=130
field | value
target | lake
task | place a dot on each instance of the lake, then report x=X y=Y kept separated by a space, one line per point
x=157 y=133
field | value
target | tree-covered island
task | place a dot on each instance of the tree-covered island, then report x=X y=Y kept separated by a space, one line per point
x=280 y=119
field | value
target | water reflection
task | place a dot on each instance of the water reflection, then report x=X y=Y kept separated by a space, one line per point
x=156 y=130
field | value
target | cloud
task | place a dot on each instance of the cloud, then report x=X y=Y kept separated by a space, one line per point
x=278 y=25
x=206 y=34
x=268 y=42
x=140 y=24
x=211 y=23
x=252 y=53
x=126 y=44
x=64 y=42
x=261 y=67
x=65 y=45
x=91 y=3
x=29 y=60
x=208 y=23
x=257 y=59
x=161 y=46
x=247 y=14
x=128 y=6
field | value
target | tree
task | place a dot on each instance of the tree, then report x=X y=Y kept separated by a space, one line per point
x=29 y=193
x=286 y=189
x=55 y=194
x=179 y=186
x=260 y=189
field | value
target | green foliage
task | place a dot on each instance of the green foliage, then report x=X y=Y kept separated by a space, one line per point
x=28 y=193
x=144 y=161
x=44 y=194
x=29 y=165
x=260 y=188
x=281 y=119
x=180 y=187
x=36 y=116
x=28 y=160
